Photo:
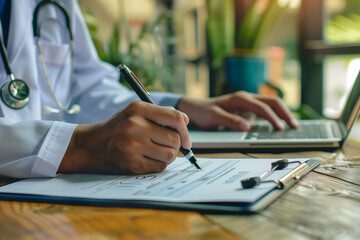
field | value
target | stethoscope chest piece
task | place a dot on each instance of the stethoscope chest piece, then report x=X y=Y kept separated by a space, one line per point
x=15 y=93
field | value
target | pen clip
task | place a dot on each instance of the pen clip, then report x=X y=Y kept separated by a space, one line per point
x=137 y=80
x=129 y=74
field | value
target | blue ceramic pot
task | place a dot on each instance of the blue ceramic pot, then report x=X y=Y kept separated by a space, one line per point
x=245 y=73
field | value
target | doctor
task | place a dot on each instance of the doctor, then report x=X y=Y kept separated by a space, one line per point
x=63 y=110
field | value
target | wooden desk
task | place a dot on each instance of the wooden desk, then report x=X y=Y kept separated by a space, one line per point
x=324 y=205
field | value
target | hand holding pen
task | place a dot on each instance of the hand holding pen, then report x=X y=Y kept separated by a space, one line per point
x=145 y=96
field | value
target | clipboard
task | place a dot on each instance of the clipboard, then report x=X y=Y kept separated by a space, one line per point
x=233 y=207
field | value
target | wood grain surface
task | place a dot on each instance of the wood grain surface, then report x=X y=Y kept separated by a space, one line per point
x=47 y=221
x=325 y=204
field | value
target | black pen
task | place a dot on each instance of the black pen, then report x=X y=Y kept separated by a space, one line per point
x=144 y=95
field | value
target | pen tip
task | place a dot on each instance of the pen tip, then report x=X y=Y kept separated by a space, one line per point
x=193 y=160
x=197 y=165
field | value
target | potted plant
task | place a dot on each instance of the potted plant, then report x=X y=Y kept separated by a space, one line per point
x=142 y=54
x=237 y=51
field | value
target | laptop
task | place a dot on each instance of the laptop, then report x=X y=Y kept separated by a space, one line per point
x=312 y=134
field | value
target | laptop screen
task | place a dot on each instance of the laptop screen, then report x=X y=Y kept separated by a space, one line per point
x=352 y=107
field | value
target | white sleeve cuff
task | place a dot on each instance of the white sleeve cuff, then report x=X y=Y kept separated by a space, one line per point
x=166 y=98
x=52 y=150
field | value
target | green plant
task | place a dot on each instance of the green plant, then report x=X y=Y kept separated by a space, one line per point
x=227 y=40
x=252 y=32
x=343 y=29
x=258 y=22
x=220 y=29
x=143 y=54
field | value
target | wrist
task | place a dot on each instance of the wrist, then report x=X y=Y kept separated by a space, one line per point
x=73 y=159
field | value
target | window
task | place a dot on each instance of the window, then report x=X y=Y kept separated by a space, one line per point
x=329 y=52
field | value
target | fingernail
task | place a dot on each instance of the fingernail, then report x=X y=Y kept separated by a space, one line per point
x=294 y=122
x=244 y=126
x=188 y=145
x=185 y=114
x=186 y=117
x=280 y=125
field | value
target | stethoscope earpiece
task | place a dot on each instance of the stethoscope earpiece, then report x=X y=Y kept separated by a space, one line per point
x=49 y=110
x=75 y=109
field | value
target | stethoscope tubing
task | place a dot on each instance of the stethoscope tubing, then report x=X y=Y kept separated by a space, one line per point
x=61 y=6
x=5 y=60
x=9 y=92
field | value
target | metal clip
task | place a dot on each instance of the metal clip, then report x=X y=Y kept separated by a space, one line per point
x=282 y=182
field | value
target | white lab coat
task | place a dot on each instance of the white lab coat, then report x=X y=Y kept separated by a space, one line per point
x=33 y=143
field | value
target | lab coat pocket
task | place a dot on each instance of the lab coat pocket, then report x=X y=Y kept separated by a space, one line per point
x=54 y=54
x=56 y=66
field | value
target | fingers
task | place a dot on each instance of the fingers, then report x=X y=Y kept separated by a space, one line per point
x=223 y=118
x=132 y=141
x=147 y=146
x=134 y=151
x=164 y=137
x=266 y=112
x=154 y=134
x=270 y=108
x=281 y=110
x=141 y=158
x=186 y=118
x=173 y=119
x=167 y=117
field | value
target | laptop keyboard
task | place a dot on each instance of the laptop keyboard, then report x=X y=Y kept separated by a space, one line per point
x=313 y=131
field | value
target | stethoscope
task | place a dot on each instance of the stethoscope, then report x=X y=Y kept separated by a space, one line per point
x=15 y=93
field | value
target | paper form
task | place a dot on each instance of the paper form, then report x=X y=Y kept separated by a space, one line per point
x=219 y=181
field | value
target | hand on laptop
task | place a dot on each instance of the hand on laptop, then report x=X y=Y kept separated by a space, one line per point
x=225 y=111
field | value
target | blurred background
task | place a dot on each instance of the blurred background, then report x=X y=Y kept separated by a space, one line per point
x=305 y=51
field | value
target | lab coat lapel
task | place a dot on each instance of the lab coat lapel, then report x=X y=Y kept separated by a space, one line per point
x=17 y=35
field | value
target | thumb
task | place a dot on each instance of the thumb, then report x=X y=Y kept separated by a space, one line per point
x=230 y=120
x=186 y=118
